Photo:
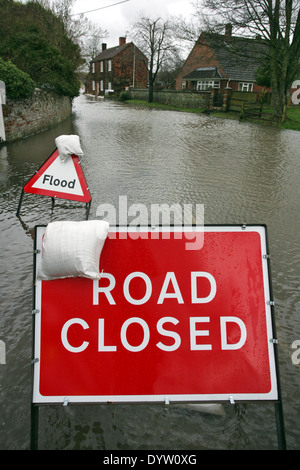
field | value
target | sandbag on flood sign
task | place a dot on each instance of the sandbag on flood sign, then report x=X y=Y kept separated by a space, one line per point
x=68 y=145
x=72 y=249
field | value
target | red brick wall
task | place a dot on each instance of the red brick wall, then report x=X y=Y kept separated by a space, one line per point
x=201 y=55
x=235 y=86
x=121 y=75
x=123 y=69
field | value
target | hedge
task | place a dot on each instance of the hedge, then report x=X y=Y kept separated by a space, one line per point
x=18 y=84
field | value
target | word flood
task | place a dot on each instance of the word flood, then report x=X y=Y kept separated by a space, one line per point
x=57 y=182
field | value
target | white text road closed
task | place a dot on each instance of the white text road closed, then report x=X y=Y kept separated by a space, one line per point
x=163 y=327
x=162 y=323
x=169 y=289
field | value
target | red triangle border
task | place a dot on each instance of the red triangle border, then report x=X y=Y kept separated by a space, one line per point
x=55 y=193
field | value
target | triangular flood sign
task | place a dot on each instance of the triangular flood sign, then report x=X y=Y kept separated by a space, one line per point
x=64 y=180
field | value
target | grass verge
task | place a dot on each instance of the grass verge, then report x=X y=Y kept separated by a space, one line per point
x=292 y=123
x=165 y=106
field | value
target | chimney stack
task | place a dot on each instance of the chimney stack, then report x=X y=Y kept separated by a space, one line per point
x=104 y=46
x=228 y=32
x=122 y=41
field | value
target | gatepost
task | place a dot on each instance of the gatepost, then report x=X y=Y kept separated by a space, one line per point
x=227 y=98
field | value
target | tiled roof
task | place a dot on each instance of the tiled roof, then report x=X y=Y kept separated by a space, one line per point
x=110 y=53
x=203 y=72
x=240 y=57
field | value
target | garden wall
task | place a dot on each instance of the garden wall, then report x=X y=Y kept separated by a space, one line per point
x=28 y=116
x=188 y=99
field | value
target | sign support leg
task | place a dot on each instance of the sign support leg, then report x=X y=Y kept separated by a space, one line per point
x=87 y=209
x=280 y=426
x=278 y=405
x=34 y=427
x=20 y=202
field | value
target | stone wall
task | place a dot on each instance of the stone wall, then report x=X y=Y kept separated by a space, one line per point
x=35 y=114
x=184 y=99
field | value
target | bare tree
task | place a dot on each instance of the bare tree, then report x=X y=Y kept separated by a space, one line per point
x=79 y=29
x=277 y=23
x=77 y=26
x=91 y=43
x=156 y=40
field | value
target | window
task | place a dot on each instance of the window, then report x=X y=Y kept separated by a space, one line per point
x=93 y=85
x=207 y=85
x=109 y=66
x=245 y=86
x=101 y=66
x=101 y=85
x=183 y=85
x=93 y=67
x=109 y=86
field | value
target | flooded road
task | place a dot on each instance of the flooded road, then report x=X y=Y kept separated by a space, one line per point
x=241 y=173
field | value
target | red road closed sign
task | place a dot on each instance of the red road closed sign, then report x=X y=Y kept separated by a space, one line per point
x=164 y=323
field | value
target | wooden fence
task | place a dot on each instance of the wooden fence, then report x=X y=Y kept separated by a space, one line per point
x=249 y=106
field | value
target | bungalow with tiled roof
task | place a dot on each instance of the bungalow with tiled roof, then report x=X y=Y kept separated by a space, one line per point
x=116 y=69
x=219 y=61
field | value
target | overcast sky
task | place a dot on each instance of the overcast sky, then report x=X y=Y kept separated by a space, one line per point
x=118 y=19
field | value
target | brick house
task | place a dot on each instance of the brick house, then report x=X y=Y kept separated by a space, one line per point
x=117 y=68
x=219 y=61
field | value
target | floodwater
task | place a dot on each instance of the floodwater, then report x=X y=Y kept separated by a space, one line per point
x=242 y=173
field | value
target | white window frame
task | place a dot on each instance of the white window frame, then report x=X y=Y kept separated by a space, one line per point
x=109 y=65
x=245 y=86
x=93 y=85
x=183 y=85
x=202 y=85
x=101 y=66
x=101 y=85
x=93 y=67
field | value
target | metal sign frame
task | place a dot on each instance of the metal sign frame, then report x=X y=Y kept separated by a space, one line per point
x=275 y=396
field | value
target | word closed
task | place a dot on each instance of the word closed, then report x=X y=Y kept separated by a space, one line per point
x=160 y=326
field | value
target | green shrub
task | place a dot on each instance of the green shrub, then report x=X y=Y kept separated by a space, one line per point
x=18 y=84
x=43 y=62
x=36 y=40
x=124 y=95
